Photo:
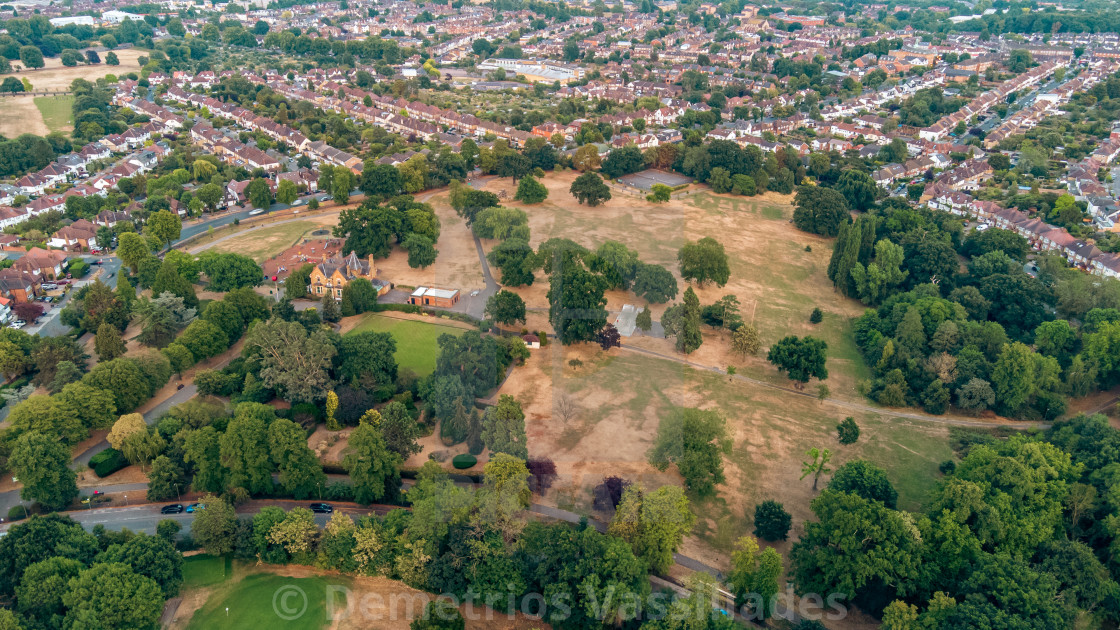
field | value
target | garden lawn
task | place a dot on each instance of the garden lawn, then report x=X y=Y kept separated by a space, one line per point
x=56 y=110
x=416 y=341
x=205 y=570
x=259 y=600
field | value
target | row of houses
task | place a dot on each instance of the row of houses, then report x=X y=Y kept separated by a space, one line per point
x=1042 y=236
x=985 y=101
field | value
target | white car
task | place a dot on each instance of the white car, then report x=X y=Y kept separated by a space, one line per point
x=983 y=226
x=17 y=324
x=254 y=212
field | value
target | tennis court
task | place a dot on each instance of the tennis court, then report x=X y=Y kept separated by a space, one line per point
x=646 y=179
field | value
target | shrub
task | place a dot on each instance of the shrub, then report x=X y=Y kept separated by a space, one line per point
x=608 y=494
x=305 y=414
x=771 y=521
x=948 y=467
x=18 y=512
x=542 y=473
x=107 y=462
x=816 y=316
x=78 y=268
x=464 y=461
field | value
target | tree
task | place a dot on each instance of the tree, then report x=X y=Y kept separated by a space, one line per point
x=820 y=210
x=999 y=162
x=150 y=556
x=213 y=528
x=976 y=395
x=1013 y=375
x=165 y=226
x=530 y=190
x=31 y=57
x=877 y=280
x=653 y=523
x=659 y=193
x=506 y=307
x=11 y=85
x=802 y=358
x=857 y=547
x=132 y=249
x=123 y=378
x=683 y=322
x=866 y=480
x=165 y=479
x=244 y=448
x=41 y=587
x=229 y=271
x=42 y=464
x=745 y=340
x=704 y=261
x=300 y=471
x=111 y=59
x=623 y=161
x=754 y=576
x=210 y=194
x=400 y=430
x=847 y=431
x=858 y=189
x=112 y=595
x=609 y=337
x=644 y=321
x=259 y=193
x=124 y=427
x=695 y=440
x=576 y=300
x=771 y=521
x=504 y=428
x=816 y=465
x=586 y=158
x=108 y=342
x=372 y=466
x=286 y=192
x=654 y=283
x=292 y=360
x=369 y=229
x=421 y=251
x=590 y=189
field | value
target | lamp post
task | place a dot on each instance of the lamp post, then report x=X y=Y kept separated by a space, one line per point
x=319 y=485
x=126 y=499
x=178 y=497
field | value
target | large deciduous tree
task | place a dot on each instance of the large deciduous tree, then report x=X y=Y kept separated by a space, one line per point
x=802 y=359
x=292 y=360
x=695 y=440
x=704 y=261
x=42 y=464
x=590 y=189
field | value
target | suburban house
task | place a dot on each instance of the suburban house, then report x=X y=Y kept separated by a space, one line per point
x=332 y=275
x=17 y=285
x=80 y=235
x=431 y=296
x=41 y=262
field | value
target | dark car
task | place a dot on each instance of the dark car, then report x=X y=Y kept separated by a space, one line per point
x=322 y=508
x=174 y=508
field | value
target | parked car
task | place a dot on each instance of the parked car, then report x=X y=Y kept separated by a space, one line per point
x=17 y=325
x=49 y=286
x=174 y=508
x=255 y=211
x=196 y=507
x=322 y=508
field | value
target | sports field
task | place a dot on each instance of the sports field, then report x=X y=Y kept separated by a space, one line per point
x=265 y=600
x=57 y=111
x=416 y=340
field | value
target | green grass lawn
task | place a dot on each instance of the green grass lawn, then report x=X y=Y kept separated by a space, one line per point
x=205 y=570
x=265 y=601
x=56 y=110
x=416 y=341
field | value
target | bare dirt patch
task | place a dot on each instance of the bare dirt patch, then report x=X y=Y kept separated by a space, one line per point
x=457 y=265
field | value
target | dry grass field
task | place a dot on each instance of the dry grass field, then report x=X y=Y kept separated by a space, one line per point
x=622 y=395
x=19 y=114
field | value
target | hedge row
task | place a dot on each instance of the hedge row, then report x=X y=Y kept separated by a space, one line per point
x=108 y=462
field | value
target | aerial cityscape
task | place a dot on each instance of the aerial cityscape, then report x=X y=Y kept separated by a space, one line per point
x=531 y=315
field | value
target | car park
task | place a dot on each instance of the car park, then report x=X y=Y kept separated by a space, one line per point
x=174 y=508
x=322 y=508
